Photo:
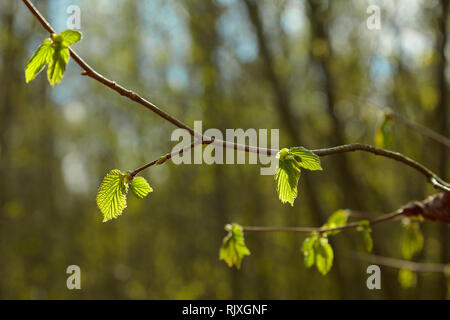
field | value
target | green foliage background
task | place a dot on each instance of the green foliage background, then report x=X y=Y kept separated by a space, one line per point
x=202 y=60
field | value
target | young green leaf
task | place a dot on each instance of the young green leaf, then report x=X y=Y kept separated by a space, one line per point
x=39 y=60
x=324 y=256
x=233 y=247
x=69 y=37
x=57 y=64
x=407 y=278
x=286 y=179
x=288 y=172
x=112 y=195
x=308 y=249
x=140 y=187
x=337 y=219
x=305 y=158
x=412 y=239
x=364 y=228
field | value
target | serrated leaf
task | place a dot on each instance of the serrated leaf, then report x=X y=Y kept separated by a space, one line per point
x=112 y=195
x=69 y=37
x=324 y=256
x=308 y=249
x=286 y=179
x=140 y=187
x=305 y=158
x=412 y=239
x=233 y=247
x=337 y=219
x=38 y=61
x=57 y=64
x=447 y=278
x=407 y=278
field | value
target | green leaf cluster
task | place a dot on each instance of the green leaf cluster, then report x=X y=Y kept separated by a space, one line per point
x=317 y=251
x=412 y=238
x=54 y=52
x=112 y=194
x=447 y=279
x=233 y=247
x=288 y=172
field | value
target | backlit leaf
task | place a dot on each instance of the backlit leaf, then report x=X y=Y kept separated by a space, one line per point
x=407 y=278
x=288 y=172
x=70 y=37
x=337 y=219
x=305 y=158
x=383 y=136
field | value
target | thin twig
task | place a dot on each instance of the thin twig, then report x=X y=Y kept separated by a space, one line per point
x=90 y=72
x=383 y=218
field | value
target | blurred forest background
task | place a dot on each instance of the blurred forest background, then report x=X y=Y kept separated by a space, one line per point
x=310 y=68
